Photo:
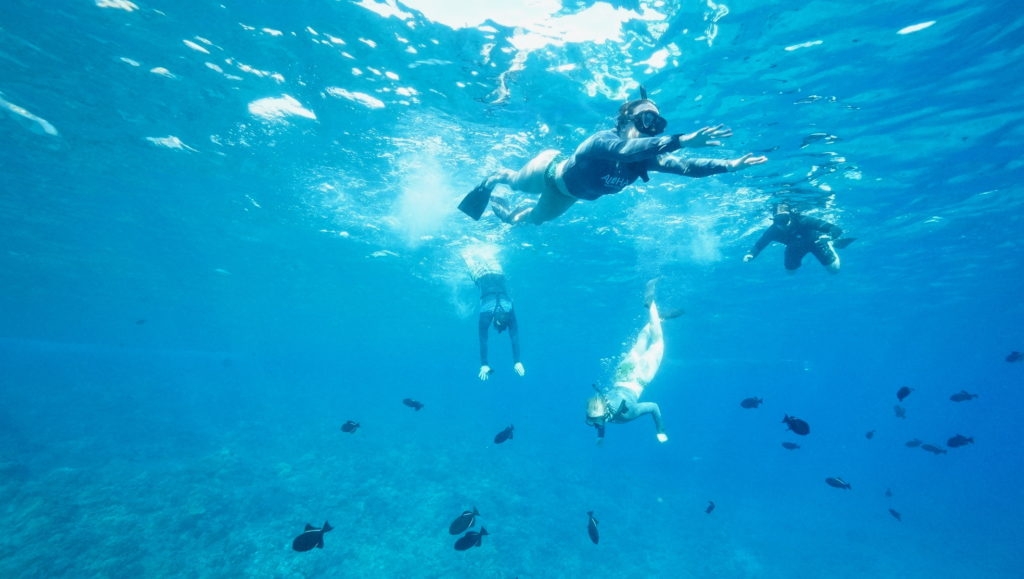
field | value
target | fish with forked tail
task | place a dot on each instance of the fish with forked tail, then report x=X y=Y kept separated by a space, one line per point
x=311 y=537
x=834 y=481
x=959 y=440
x=903 y=392
x=752 y=402
x=592 y=527
x=504 y=435
x=471 y=539
x=464 y=521
x=797 y=425
x=963 y=396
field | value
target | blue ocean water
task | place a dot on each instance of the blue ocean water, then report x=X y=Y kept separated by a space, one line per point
x=229 y=227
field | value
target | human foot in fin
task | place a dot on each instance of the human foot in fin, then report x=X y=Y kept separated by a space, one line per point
x=475 y=202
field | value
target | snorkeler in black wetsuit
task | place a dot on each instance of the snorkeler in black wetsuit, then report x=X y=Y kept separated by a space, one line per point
x=603 y=164
x=801 y=235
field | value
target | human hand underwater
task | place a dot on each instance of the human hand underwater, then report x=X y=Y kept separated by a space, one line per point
x=485 y=372
x=706 y=137
x=519 y=368
x=745 y=161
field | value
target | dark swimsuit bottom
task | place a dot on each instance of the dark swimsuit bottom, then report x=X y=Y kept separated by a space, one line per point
x=551 y=177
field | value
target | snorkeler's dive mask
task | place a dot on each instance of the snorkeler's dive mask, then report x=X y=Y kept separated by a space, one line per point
x=649 y=123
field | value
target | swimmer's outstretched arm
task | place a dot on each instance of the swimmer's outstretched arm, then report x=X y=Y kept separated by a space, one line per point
x=483 y=326
x=705 y=137
x=748 y=160
x=513 y=335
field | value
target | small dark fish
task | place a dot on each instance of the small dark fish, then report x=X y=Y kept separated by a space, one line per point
x=913 y=443
x=790 y=445
x=900 y=411
x=311 y=537
x=504 y=435
x=752 y=402
x=414 y=404
x=896 y=515
x=815 y=98
x=1014 y=357
x=834 y=481
x=350 y=426
x=464 y=521
x=903 y=392
x=711 y=507
x=592 y=527
x=796 y=425
x=888 y=492
x=959 y=440
x=963 y=396
x=140 y=321
x=818 y=138
x=933 y=449
x=869 y=434
x=471 y=539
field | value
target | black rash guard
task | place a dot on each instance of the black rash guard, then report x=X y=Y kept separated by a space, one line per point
x=801 y=233
x=606 y=163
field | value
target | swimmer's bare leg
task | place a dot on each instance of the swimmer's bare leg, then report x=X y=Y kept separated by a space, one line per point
x=653 y=342
x=502 y=177
x=512 y=216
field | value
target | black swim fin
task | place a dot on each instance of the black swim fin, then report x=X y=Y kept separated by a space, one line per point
x=475 y=202
x=843 y=242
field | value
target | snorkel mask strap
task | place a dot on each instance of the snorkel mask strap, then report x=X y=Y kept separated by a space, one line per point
x=648 y=122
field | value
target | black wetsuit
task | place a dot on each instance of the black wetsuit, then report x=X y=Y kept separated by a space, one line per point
x=801 y=236
x=494 y=299
x=605 y=163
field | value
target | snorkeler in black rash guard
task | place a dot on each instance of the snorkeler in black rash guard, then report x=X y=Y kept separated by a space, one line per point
x=801 y=235
x=603 y=164
x=495 y=305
